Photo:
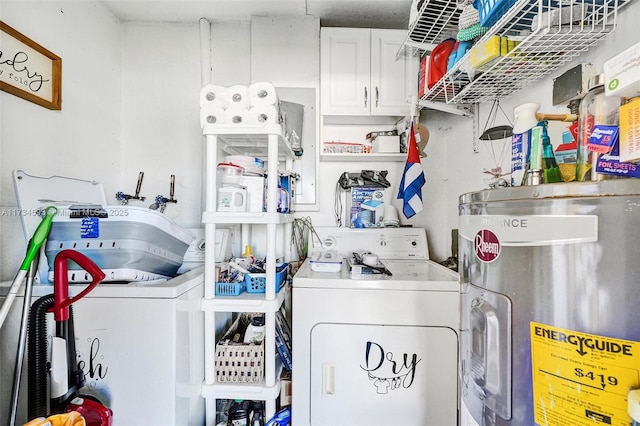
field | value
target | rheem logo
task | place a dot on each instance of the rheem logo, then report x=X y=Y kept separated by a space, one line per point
x=486 y=246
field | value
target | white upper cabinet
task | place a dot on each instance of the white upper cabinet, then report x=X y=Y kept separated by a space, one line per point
x=359 y=73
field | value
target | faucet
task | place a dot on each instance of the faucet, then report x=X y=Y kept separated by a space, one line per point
x=124 y=198
x=161 y=200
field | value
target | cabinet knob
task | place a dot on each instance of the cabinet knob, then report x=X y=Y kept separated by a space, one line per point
x=377 y=96
x=366 y=95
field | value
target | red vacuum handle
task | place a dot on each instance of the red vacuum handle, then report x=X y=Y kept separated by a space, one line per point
x=61 y=300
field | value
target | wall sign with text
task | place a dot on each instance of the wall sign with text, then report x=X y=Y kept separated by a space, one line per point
x=28 y=70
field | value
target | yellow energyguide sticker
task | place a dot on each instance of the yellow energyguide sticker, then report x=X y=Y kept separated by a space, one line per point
x=581 y=379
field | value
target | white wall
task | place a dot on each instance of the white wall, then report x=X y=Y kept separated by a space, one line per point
x=83 y=139
x=159 y=112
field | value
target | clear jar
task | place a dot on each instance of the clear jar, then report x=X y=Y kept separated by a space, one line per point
x=595 y=108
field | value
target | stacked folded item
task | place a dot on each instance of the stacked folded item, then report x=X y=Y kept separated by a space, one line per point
x=254 y=104
x=257 y=103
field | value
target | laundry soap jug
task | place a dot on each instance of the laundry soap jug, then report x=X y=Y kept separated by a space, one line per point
x=524 y=120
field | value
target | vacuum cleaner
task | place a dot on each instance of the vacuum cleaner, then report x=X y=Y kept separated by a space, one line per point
x=60 y=377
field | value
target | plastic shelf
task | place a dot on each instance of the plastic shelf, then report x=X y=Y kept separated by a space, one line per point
x=249 y=139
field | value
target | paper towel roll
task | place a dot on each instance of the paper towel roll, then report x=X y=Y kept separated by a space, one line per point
x=213 y=95
x=237 y=96
x=211 y=114
x=263 y=114
x=236 y=115
x=262 y=94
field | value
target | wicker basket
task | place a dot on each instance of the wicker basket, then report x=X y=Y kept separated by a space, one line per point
x=239 y=362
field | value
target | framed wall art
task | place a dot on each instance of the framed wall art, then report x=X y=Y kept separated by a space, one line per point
x=28 y=70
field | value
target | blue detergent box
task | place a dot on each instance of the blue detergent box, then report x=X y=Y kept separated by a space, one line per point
x=367 y=207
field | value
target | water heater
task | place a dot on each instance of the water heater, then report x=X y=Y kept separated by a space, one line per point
x=550 y=275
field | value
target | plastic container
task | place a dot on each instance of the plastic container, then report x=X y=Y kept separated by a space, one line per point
x=524 y=120
x=595 y=108
x=230 y=173
x=438 y=61
x=490 y=11
x=252 y=165
x=256 y=283
x=230 y=289
x=232 y=198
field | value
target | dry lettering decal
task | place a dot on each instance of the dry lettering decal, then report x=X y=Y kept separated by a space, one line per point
x=486 y=246
x=386 y=370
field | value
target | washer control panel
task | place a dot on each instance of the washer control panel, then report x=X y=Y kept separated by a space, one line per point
x=386 y=243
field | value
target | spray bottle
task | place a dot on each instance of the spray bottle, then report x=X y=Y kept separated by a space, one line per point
x=524 y=120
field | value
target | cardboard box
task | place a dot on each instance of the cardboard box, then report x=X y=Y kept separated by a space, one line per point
x=255 y=192
x=422 y=78
x=366 y=207
x=386 y=144
x=611 y=164
x=630 y=131
x=622 y=73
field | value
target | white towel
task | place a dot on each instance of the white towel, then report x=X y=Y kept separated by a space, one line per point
x=213 y=95
x=262 y=94
x=263 y=114
x=211 y=114
x=237 y=97
x=236 y=115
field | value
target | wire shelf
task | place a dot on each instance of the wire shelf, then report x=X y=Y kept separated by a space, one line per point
x=436 y=20
x=545 y=44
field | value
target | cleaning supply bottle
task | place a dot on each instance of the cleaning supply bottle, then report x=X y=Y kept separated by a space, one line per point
x=533 y=173
x=239 y=413
x=550 y=170
x=255 y=330
x=248 y=256
x=595 y=108
x=524 y=120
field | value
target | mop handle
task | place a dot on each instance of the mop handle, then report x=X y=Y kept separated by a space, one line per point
x=42 y=231
x=34 y=247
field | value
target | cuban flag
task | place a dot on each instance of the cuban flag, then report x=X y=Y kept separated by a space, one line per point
x=412 y=180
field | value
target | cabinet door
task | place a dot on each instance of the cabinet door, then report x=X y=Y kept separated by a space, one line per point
x=381 y=375
x=393 y=82
x=344 y=71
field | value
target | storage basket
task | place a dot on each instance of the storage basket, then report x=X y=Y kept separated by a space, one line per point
x=239 y=362
x=492 y=10
x=230 y=289
x=256 y=283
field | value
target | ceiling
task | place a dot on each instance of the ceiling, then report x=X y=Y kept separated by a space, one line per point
x=332 y=13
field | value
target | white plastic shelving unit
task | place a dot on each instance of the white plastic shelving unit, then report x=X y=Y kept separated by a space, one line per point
x=544 y=45
x=267 y=142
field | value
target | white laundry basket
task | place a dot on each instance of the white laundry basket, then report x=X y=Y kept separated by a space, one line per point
x=128 y=243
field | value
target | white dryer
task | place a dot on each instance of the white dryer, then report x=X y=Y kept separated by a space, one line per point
x=374 y=349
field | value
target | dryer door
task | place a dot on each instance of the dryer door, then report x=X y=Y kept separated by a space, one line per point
x=382 y=375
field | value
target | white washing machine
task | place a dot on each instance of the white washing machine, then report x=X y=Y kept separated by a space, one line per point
x=374 y=349
x=140 y=346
